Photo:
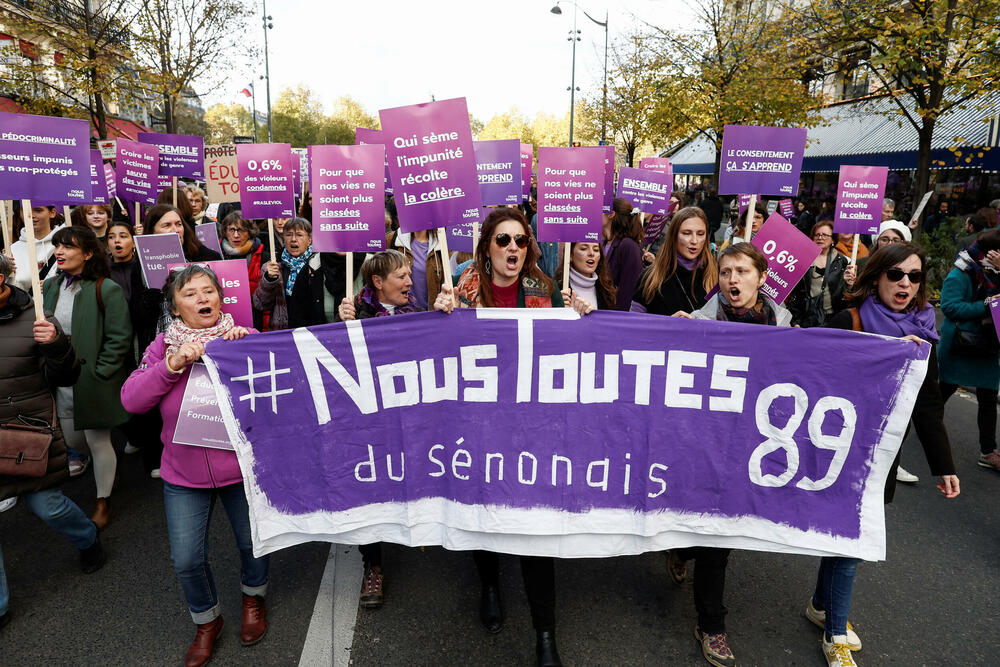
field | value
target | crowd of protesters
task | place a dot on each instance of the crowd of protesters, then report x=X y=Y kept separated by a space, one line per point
x=106 y=369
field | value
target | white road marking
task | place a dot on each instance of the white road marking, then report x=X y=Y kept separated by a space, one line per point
x=331 y=629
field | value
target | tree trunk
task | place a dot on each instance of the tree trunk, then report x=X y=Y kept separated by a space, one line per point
x=168 y=115
x=718 y=162
x=922 y=177
x=630 y=153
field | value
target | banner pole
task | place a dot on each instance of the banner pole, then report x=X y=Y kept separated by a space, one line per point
x=270 y=239
x=174 y=183
x=565 y=276
x=751 y=213
x=29 y=235
x=475 y=236
x=7 y=226
x=349 y=272
x=121 y=206
x=445 y=260
x=66 y=214
x=854 y=250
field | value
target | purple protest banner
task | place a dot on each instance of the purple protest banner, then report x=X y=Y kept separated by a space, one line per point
x=347 y=433
x=110 y=181
x=348 y=198
x=527 y=156
x=609 y=179
x=744 y=201
x=364 y=137
x=136 y=167
x=265 y=172
x=570 y=193
x=296 y=177
x=785 y=208
x=498 y=164
x=995 y=312
x=432 y=164
x=167 y=183
x=653 y=226
x=180 y=154
x=157 y=252
x=302 y=167
x=199 y=420
x=44 y=159
x=98 y=184
x=233 y=279
x=789 y=254
x=660 y=164
x=208 y=234
x=767 y=160
x=859 y=199
x=649 y=191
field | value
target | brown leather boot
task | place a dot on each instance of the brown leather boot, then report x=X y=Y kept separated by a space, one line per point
x=254 y=620
x=102 y=513
x=201 y=648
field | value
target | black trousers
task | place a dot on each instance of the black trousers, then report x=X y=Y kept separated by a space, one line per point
x=709 y=585
x=371 y=554
x=539 y=575
x=986 y=414
x=143 y=431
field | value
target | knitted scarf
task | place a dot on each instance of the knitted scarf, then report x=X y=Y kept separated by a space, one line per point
x=467 y=291
x=759 y=313
x=294 y=265
x=179 y=333
x=881 y=320
x=984 y=275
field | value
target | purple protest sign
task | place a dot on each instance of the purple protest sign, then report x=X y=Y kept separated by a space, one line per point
x=167 y=183
x=653 y=226
x=527 y=156
x=110 y=181
x=346 y=432
x=265 y=172
x=571 y=191
x=235 y=283
x=785 y=208
x=649 y=191
x=859 y=199
x=44 y=159
x=432 y=164
x=303 y=164
x=348 y=198
x=789 y=254
x=180 y=154
x=995 y=312
x=136 y=166
x=364 y=137
x=208 y=234
x=609 y=179
x=767 y=160
x=744 y=201
x=660 y=164
x=157 y=252
x=498 y=164
x=98 y=184
x=199 y=420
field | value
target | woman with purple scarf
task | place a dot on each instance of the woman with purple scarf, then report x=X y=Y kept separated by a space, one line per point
x=889 y=298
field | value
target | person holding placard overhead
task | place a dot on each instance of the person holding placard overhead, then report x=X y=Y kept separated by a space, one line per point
x=684 y=270
x=623 y=234
x=46 y=222
x=742 y=272
x=92 y=310
x=195 y=477
x=889 y=298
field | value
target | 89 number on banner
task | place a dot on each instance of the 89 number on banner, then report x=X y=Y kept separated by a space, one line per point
x=783 y=437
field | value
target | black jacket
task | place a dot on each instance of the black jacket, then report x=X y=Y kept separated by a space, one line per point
x=808 y=311
x=675 y=293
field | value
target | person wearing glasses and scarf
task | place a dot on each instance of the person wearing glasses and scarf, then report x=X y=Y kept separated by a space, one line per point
x=292 y=289
x=820 y=293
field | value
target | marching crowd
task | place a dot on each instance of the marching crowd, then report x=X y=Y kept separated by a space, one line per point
x=105 y=372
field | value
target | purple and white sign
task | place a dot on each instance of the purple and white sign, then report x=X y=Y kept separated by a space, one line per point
x=995 y=313
x=859 y=199
x=570 y=193
x=609 y=179
x=789 y=254
x=180 y=154
x=653 y=226
x=347 y=433
x=527 y=157
x=660 y=164
x=785 y=208
x=208 y=234
x=199 y=420
x=648 y=190
x=365 y=137
x=111 y=181
x=157 y=252
x=167 y=183
x=233 y=279
x=498 y=164
x=767 y=160
x=136 y=167
x=432 y=164
x=744 y=201
x=98 y=184
x=265 y=172
x=303 y=164
x=44 y=159
x=348 y=198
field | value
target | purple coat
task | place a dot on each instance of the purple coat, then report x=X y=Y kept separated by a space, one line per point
x=624 y=264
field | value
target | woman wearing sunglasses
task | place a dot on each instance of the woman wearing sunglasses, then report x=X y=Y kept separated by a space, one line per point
x=889 y=298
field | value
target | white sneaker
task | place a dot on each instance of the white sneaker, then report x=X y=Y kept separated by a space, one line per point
x=906 y=477
x=155 y=473
x=818 y=618
x=7 y=504
x=130 y=448
x=837 y=652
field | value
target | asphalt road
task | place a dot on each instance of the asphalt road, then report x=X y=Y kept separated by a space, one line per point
x=931 y=602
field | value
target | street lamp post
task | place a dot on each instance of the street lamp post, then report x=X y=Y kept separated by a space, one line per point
x=267 y=72
x=574 y=36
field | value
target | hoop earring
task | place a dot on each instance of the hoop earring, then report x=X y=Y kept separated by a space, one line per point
x=489 y=267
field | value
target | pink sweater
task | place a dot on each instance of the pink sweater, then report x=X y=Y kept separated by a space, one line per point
x=151 y=386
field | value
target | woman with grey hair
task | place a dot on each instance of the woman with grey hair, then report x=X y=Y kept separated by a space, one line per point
x=194 y=477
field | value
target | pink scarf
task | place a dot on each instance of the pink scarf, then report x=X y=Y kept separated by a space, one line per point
x=179 y=333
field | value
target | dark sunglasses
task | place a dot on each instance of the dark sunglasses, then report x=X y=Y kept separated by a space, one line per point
x=895 y=275
x=503 y=240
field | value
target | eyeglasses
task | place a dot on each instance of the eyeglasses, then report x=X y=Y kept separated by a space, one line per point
x=822 y=236
x=503 y=240
x=895 y=275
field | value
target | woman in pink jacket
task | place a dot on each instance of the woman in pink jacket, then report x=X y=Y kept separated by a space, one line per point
x=195 y=476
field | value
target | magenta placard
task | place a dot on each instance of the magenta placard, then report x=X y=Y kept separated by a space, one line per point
x=432 y=164
x=109 y=180
x=98 y=184
x=995 y=312
x=266 y=189
x=767 y=160
x=609 y=178
x=785 y=208
x=527 y=156
x=648 y=190
x=208 y=234
x=157 y=252
x=859 y=199
x=348 y=198
x=570 y=193
x=44 y=159
x=136 y=167
x=232 y=274
x=180 y=154
x=199 y=420
x=789 y=255
x=660 y=164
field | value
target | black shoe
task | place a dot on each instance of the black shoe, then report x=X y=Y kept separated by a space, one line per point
x=490 y=609
x=546 y=651
x=92 y=558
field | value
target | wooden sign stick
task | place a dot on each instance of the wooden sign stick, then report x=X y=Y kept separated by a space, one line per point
x=751 y=214
x=174 y=182
x=270 y=239
x=36 y=285
x=7 y=226
x=66 y=215
x=349 y=271
x=475 y=237
x=566 y=261
x=854 y=250
x=445 y=259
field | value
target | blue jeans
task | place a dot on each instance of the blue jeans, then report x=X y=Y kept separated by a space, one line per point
x=834 y=586
x=189 y=513
x=62 y=514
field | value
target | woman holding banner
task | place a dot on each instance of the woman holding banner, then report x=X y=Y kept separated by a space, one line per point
x=588 y=276
x=820 y=293
x=742 y=272
x=684 y=270
x=889 y=298
x=194 y=477
x=622 y=252
x=93 y=312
